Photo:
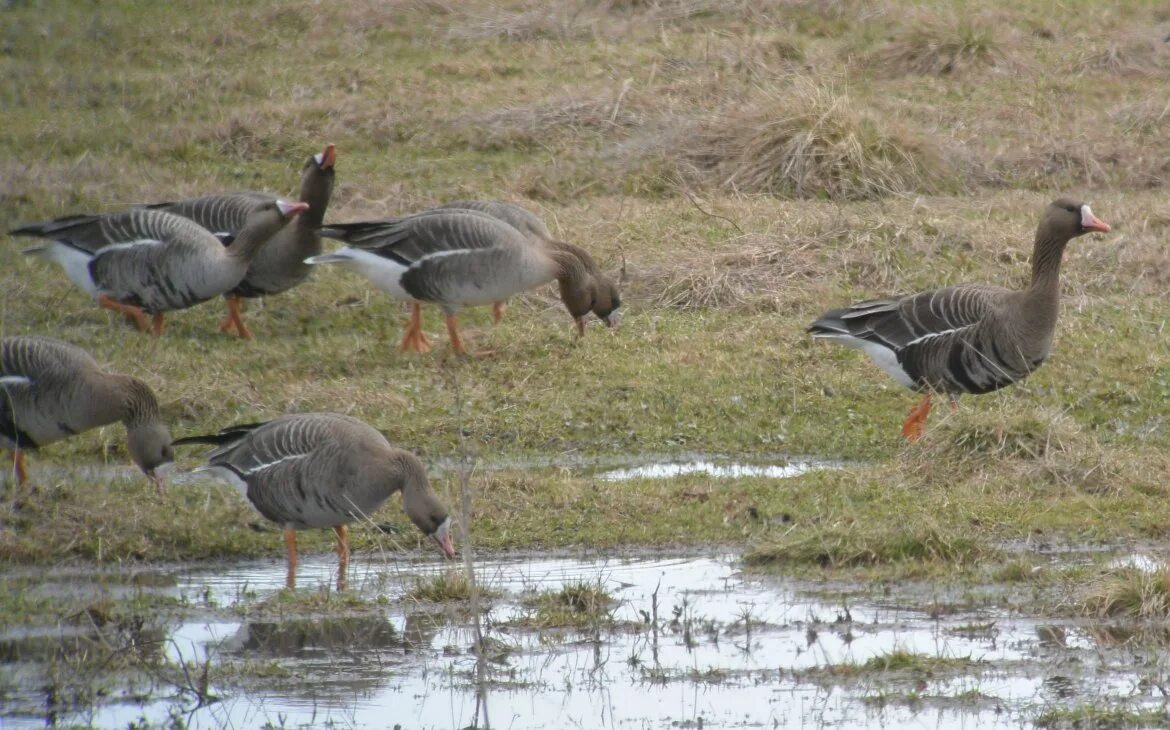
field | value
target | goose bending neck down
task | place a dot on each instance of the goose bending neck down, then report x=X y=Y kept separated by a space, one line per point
x=317 y=470
x=969 y=338
x=457 y=258
x=51 y=390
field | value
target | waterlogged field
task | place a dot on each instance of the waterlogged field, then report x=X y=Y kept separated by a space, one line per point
x=701 y=519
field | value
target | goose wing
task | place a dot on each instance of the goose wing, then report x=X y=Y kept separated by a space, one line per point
x=415 y=237
x=223 y=214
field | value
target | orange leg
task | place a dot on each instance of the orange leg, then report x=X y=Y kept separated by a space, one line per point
x=413 y=339
x=134 y=313
x=498 y=310
x=453 y=333
x=236 y=322
x=915 y=424
x=342 y=555
x=290 y=541
x=954 y=403
x=19 y=467
x=158 y=324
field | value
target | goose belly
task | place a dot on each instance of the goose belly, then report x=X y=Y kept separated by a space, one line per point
x=487 y=288
x=167 y=287
x=34 y=425
x=385 y=274
x=75 y=263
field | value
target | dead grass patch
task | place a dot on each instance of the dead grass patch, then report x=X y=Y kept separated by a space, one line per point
x=535 y=125
x=1125 y=57
x=1130 y=593
x=808 y=141
x=935 y=44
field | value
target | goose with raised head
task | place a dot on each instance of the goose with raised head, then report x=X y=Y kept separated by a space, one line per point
x=316 y=470
x=147 y=261
x=457 y=258
x=279 y=265
x=968 y=338
x=51 y=390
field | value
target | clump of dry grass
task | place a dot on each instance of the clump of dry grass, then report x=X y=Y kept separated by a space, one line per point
x=531 y=126
x=448 y=586
x=938 y=45
x=808 y=141
x=1130 y=593
x=1132 y=57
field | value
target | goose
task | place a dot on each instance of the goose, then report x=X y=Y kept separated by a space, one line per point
x=151 y=261
x=514 y=215
x=968 y=338
x=279 y=265
x=51 y=390
x=315 y=470
x=457 y=258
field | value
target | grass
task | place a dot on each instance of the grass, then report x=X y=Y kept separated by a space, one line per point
x=752 y=163
x=1093 y=716
x=1129 y=592
x=575 y=605
x=921 y=666
x=446 y=587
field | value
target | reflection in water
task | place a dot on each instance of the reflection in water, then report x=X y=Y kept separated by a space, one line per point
x=301 y=637
x=695 y=642
x=716 y=469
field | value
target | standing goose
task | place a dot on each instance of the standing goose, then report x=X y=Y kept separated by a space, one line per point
x=50 y=390
x=514 y=215
x=280 y=263
x=457 y=258
x=969 y=338
x=150 y=261
x=317 y=470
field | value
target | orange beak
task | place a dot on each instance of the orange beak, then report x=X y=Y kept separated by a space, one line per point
x=328 y=157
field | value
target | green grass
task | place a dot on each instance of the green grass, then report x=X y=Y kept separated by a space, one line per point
x=931 y=177
x=1099 y=718
x=575 y=605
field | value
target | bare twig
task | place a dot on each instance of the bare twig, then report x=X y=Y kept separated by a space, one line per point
x=704 y=212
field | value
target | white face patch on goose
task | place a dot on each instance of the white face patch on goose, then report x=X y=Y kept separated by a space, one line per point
x=1086 y=216
x=319 y=158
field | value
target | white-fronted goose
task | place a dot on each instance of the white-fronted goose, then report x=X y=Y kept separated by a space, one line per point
x=50 y=390
x=150 y=261
x=316 y=470
x=280 y=263
x=969 y=338
x=514 y=215
x=457 y=258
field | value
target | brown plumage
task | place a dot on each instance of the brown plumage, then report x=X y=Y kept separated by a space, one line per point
x=51 y=390
x=147 y=261
x=316 y=470
x=279 y=265
x=969 y=338
x=457 y=257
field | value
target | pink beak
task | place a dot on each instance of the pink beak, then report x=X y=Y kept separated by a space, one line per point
x=288 y=210
x=1096 y=224
x=446 y=544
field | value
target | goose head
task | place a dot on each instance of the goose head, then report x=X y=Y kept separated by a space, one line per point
x=1066 y=219
x=150 y=448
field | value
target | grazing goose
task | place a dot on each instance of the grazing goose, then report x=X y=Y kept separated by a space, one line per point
x=151 y=261
x=519 y=218
x=969 y=338
x=50 y=390
x=457 y=258
x=280 y=263
x=316 y=470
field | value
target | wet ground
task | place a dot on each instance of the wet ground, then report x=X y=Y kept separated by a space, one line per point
x=691 y=642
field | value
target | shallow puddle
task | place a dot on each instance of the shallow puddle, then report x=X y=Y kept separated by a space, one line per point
x=691 y=642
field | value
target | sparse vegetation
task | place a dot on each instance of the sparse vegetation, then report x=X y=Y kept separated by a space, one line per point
x=1096 y=717
x=1129 y=592
x=574 y=605
x=446 y=587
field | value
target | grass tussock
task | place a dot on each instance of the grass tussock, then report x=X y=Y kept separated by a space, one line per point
x=933 y=44
x=447 y=587
x=809 y=141
x=576 y=604
x=1129 y=592
x=1126 y=57
x=901 y=661
x=855 y=545
x=1095 y=717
